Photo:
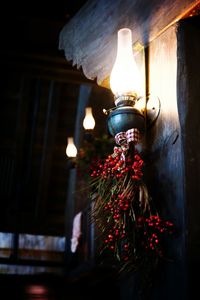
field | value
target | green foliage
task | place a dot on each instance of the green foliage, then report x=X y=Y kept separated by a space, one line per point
x=92 y=151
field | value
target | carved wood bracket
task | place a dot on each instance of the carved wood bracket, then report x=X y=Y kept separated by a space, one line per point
x=89 y=40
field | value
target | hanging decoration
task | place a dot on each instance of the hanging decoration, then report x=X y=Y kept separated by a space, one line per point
x=129 y=229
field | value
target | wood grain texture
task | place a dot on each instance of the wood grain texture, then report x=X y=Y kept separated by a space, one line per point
x=89 y=40
x=164 y=159
x=188 y=79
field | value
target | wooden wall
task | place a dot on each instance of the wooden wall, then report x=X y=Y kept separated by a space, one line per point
x=188 y=81
x=172 y=155
x=165 y=163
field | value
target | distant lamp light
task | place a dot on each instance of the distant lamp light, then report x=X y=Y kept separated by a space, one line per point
x=71 y=150
x=88 y=122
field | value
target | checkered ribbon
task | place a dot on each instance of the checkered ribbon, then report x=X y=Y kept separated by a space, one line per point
x=123 y=139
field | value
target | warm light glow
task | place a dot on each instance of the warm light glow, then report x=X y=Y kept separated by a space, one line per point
x=88 y=122
x=125 y=78
x=71 y=150
x=163 y=75
x=140 y=104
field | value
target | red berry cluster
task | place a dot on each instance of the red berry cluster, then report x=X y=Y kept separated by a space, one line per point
x=124 y=233
x=118 y=166
x=117 y=210
x=150 y=231
x=118 y=204
x=112 y=241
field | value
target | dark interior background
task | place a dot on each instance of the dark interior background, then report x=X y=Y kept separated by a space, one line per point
x=39 y=96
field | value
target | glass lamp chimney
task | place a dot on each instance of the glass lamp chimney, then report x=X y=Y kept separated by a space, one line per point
x=125 y=78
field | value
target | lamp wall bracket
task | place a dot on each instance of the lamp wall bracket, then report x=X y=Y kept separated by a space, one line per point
x=152 y=110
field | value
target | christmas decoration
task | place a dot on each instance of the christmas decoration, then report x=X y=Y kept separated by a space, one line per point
x=92 y=151
x=129 y=229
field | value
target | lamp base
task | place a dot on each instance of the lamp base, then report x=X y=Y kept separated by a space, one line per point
x=123 y=118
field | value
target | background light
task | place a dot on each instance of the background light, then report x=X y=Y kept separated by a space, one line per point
x=88 y=122
x=71 y=150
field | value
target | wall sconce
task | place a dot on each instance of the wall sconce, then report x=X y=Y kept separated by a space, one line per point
x=118 y=191
x=126 y=85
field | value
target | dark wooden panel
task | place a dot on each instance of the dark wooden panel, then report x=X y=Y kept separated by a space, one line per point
x=37 y=116
x=189 y=110
x=44 y=66
x=165 y=168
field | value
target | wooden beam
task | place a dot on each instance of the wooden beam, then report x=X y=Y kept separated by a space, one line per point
x=47 y=67
x=90 y=38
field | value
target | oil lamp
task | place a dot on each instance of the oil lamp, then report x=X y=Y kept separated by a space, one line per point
x=126 y=85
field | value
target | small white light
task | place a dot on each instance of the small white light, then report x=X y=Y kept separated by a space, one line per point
x=88 y=122
x=71 y=150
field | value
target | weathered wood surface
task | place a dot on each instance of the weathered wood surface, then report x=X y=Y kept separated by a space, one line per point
x=164 y=160
x=189 y=107
x=90 y=38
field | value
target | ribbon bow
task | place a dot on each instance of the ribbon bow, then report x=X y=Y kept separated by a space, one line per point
x=124 y=138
